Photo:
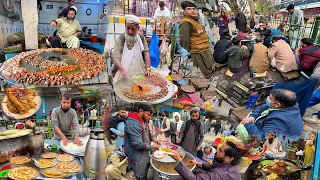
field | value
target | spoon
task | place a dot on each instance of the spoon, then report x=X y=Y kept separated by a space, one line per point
x=140 y=87
x=38 y=164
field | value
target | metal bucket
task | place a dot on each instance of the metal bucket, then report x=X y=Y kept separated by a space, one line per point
x=160 y=175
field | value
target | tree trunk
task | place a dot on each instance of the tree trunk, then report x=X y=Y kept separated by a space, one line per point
x=252 y=13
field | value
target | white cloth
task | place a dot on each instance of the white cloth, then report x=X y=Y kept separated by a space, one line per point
x=130 y=18
x=132 y=60
x=93 y=113
x=164 y=13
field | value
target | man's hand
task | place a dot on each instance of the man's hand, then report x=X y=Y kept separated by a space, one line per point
x=179 y=141
x=280 y=150
x=125 y=73
x=177 y=133
x=65 y=141
x=247 y=120
x=195 y=162
x=77 y=141
x=198 y=148
x=77 y=34
x=121 y=134
x=175 y=156
x=156 y=146
x=148 y=73
x=53 y=24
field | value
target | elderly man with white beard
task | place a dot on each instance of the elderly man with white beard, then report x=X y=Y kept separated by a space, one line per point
x=131 y=52
x=69 y=30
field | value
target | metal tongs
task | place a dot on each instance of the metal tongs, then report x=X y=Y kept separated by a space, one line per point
x=140 y=87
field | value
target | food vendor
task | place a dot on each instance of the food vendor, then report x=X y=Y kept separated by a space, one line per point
x=131 y=52
x=69 y=30
x=65 y=122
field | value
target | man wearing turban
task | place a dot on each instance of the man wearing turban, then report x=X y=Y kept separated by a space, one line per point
x=194 y=39
x=131 y=52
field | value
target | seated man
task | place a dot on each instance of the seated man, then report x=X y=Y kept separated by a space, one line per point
x=238 y=61
x=225 y=166
x=272 y=148
x=267 y=33
x=69 y=30
x=206 y=155
x=259 y=62
x=221 y=46
x=118 y=166
x=309 y=55
x=282 y=56
x=280 y=114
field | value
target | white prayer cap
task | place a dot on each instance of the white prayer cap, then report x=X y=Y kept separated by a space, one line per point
x=132 y=19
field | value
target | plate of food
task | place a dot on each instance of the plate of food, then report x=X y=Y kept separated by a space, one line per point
x=69 y=167
x=159 y=154
x=18 y=160
x=45 y=163
x=155 y=89
x=20 y=103
x=54 y=173
x=23 y=172
x=49 y=155
x=65 y=158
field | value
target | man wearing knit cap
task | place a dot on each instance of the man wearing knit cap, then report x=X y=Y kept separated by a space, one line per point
x=194 y=39
x=131 y=52
x=191 y=133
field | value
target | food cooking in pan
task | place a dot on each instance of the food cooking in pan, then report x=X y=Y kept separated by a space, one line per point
x=147 y=84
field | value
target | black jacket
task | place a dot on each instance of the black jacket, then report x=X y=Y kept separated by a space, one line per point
x=219 y=48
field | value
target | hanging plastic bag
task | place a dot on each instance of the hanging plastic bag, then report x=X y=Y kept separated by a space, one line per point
x=154 y=51
x=164 y=51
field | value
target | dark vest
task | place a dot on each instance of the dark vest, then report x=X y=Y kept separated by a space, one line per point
x=199 y=40
x=164 y=126
x=196 y=131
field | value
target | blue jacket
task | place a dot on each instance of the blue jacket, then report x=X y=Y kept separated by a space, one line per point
x=284 y=121
x=135 y=141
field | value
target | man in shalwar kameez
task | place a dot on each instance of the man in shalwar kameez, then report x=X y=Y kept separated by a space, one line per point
x=296 y=24
x=131 y=52
x=69 y=30
x=191 y=133
x=194 y=39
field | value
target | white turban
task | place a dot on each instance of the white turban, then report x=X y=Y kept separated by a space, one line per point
x=132 y=19
x=177 y=114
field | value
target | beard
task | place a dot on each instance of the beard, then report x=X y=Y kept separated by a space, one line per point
x=70 y=20
x=270 y=140
x=219 y=160
x=65 y=110
x=130 y=40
